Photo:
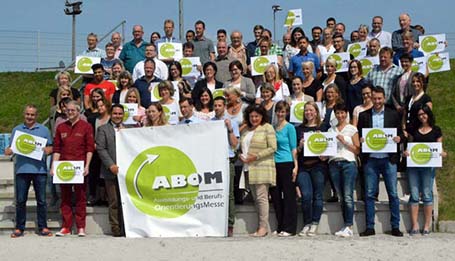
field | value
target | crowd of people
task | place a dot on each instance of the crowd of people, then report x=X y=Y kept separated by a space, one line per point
x=265 y=148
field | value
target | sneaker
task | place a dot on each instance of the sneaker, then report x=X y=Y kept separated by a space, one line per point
x=304 y=230
x=63 y=232
x=396 y=232
x=275 y=233
x=368 y=232
x=81 y=232
x=338 y=233
x=285 y=234
x=312 y=231
x=346 y=232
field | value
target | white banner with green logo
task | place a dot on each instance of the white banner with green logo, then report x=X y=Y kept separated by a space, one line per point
x=174 y=180
x=84 y=64
x=293 y=18
x=426 y=154
x=358 y=50
x=379 y=140
x=342 y=60
x=259 y=63
x=28 y=145
x=438 y=62
x=368 y=64
x=129 y=111
x=170 y=51
x=189 y=66
x=320 y=144
x=297 y=110
x=68 y=172
x=432 y=43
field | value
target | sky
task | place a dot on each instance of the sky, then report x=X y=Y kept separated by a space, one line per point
x=99 y=16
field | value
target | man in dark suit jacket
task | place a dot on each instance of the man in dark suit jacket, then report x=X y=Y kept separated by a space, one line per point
x=105 y=146
x=381 y=116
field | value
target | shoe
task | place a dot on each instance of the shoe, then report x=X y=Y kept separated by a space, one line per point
x=91 y=201
x=332 y=199
x=230 y=231
x=425 y=232
x=414 y=232
x=368 y=232
x=81 y=232
x=257 y=234
x=312 y=231
x=45 y=232
x=275 y=233
x=17 y=233
x=285 y=234
x=304 y=231
x=345 y=232
x=396 y=232
x=63 y=232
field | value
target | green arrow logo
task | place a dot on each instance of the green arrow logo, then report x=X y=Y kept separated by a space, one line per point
x=376 y=139
x=25 y=144
x=421 y=154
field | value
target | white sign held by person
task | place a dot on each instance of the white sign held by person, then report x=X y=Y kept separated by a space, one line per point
x=171 y=111
x=419 y=64
x=170 y=51
x=189 y=66
x=174 y=180
x=438 y=62
x=320 y=144
x=68 y=172
x=379 y=140
x=28 y=145
x=129 y=111
x=293 y=18
x=432 y=43
x=426 y=154
x=84 y=64
x=259 y=63
x=358 y=50
x=368 y=63
x=342 y=60
x=297 y=110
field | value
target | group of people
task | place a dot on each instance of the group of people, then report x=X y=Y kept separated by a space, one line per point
x=264 y=147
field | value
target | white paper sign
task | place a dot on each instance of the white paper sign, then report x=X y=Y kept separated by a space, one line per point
x=293 y=18
x=259 y=63
x=172 y=112
x=341 y=58
x=368 y=64
x=155 y=92
x=418 y=65
x=130 y=110
x=84 y=64
x=320 y=144
x=218 y=93
x=68 y=172
x=426 y=154
x=358 y=50
x=189 y=66
x=438 y=62
x=170 y=51
x=432 y=43
x=379 y=140
x=297 y=110
x=28 y=145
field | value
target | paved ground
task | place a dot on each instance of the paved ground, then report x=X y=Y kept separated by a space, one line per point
x=437 y=246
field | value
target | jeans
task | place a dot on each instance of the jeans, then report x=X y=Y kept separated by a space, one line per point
x=372 y=169
x=311 y=185
x=22 y=186
x=421 y=183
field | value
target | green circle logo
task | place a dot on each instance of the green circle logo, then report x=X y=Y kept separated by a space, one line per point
x=126 y=112
x=376 y=139
x=421 y=154
x=435 y=62
x=338 y=59
x=187 y=66
x=156 y=92
x=299 y=111
x=260 y=63
x=367 y=65
x=167 y=50
x=355 y=50
x=415 y=66
x=429 y=44
x=290 y=18
x=167 y=112
x=317 y=143
x=84 y=64
x=66 y=171
x=218 y=93
x=25 y=144
x=162 y=182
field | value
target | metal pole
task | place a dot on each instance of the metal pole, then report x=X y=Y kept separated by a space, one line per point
x=73 y=44
x=274 y=26
x=38 y=49
x=181 y=20
x=123 y=33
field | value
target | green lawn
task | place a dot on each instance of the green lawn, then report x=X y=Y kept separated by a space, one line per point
x=18 y=89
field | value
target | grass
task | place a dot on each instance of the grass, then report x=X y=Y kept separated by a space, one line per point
x=19 y=88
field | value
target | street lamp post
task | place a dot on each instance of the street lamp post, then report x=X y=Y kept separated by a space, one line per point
x=181 y=20
x=275 y=9
x=73 y=9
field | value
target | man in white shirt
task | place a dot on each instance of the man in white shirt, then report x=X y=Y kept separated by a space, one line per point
x=161 y=70
x=385 y=38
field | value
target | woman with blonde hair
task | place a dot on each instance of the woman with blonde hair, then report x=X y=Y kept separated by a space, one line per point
x=311 y=86
x=63 y=78
x=133 y=96
x=272 y=76
x=155 y=115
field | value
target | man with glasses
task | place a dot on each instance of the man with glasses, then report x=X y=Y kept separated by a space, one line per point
x=385 y=38
x=134 y=51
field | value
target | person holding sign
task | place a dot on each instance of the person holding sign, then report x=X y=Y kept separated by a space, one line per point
x=133 y=96
x=161 y=70
x=343 y=166
x=421 y=179
x=30 y=170
x=143 y=83
x=73 y=141
x=166 y=90
x=381 y=116
x=175 y=75
x=272 y=76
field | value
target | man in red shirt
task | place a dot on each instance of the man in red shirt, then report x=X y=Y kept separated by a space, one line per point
x=98 y=82
x=74 y=141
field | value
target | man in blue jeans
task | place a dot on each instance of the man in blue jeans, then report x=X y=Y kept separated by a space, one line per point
x=381 y=116
x=30 y=170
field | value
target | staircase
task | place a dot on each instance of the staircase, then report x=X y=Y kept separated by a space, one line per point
x=246 y=220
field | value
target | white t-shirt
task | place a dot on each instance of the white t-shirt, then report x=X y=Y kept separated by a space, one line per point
x=280 y=95
x=161 y=70
x=342 y=151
